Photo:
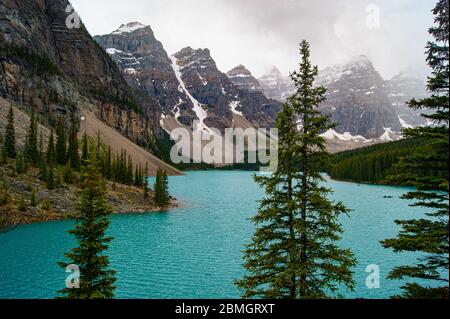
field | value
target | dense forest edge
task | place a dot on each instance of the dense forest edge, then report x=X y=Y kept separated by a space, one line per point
x=372 y=164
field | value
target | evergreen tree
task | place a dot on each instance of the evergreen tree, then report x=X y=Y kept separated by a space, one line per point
x=41 y=148
x=145 y=188
x=85 y=150
x=429 y=235
x=162 y=196
x=72 y=152
x=10 y=137
x=21 y=163
x=96 y=280
x=293 y=253
x=33 y=202
x=31 y=144
x=61 y=152
x=51 y=153
x=50 y=178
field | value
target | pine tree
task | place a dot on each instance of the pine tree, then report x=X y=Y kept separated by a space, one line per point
x=50 y=178
x=428 y=172
x=21 y=163
x=51 y=153
x=41 y=148
x=85 y=150
x=33 y=202
x=162 y=196
x=96 y=280
x=72 y=152
x=145 y=188
x=293 y=253
x=31 y=144
x=61 y=152
x=10 y=137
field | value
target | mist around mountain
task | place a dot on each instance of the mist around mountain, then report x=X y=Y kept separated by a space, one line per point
x=363 y=104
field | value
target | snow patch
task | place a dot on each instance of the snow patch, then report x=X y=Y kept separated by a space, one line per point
x=332 y=134
x=130 y=71
x=198 y=109
x=233 y=106
x=387 y=135
x=112 y=51
x=403 y=123
x=128 y=28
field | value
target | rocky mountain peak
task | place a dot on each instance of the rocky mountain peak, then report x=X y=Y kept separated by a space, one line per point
x=243 y=78
x=275 y=85
x=239 y=70
x=130 y=28
x=274 y=71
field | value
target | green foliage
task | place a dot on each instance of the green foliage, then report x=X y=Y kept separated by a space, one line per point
x=51 y=178
x=85 y=150
x=31 y=143
x=22 y=204
x=96 y=280
x=371 y=164
x=145 y=186
x=61 y=152
x=46 y=204
x=73 y=157
x=128 y=102
x=427 y=170
x=21 y=163
x=10 y=137
x=4 y=192
x=33 y=202
x=162 y=147
x=38 y=64
x=293 y=253
x=51 y=152
x=162 y=196
x=67 y=173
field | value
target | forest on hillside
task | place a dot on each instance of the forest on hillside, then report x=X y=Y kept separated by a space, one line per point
x=373 y=163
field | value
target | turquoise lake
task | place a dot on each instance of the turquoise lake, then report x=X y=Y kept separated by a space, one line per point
x=195 y=251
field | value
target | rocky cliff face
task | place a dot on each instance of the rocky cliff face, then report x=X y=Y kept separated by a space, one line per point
x=402 y=88
x=357 y=99
x=217 y=93
x=55 y=69
x=243 y=79
x=275 y=85
x=188 y=85
x=146 y=65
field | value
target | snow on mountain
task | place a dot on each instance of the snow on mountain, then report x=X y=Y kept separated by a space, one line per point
x=402 y=88
x=198 y=108
x=233 y=105
x=332 y=134
x=129 y=27
x=275 y=85
x=243 y=78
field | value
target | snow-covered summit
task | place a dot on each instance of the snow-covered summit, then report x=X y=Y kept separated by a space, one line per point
x=129 y=27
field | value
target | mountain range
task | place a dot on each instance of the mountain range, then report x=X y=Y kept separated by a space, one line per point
x=128 y=81
x=359 y=100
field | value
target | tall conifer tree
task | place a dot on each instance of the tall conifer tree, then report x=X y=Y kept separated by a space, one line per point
x=10 y=137
x=72 y=152
x=96 y=279
x=51 y=154
x=61 y=151
x=428 y=172
x=31 y=143
x=293 y=253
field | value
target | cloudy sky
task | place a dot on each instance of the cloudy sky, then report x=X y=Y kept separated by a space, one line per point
x=262 y=33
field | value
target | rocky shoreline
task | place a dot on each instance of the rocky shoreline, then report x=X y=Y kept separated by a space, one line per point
x=60 y=203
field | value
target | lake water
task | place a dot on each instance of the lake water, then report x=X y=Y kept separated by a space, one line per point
x=196 y=251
